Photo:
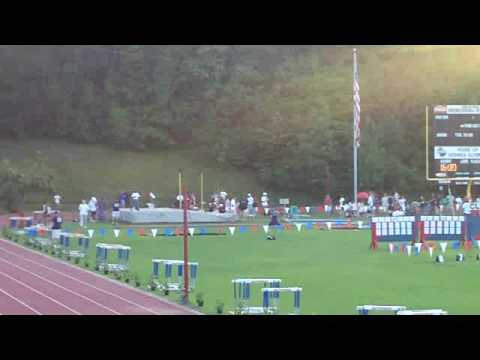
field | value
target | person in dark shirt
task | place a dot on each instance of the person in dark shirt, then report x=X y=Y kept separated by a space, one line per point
x=57 y=222
x=115 y=212
x=274 y=219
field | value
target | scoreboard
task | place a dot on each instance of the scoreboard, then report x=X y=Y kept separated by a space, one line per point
x=455 y=140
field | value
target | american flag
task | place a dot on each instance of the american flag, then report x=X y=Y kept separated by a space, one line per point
x=356 y=100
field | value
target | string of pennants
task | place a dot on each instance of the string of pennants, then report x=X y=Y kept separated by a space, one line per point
x=417 y=248
x=170 y=231
x=286 y=210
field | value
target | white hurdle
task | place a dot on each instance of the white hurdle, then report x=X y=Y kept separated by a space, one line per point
x=366 y=309
x=423 y=312
x=242 y=295
x=270 y=294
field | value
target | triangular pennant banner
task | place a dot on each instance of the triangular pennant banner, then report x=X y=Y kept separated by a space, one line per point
x=154 y=232
x=116 y=232
x=307 y=209
x=329 y=225
x=265 y=228
x=299 y=226
x=102 y=232
x=231 y=229
x=90 y=233
x=409 y=249
x=191 y=231
x=130 y=232
x=430 y=251
x=443 y=246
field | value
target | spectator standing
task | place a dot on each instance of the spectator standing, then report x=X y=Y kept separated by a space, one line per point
x=57 y=200
x=467 y=207
x=180 y=201
x=233 y=205
x=92 y=205
x=152 y=200
x=228 y=205
x=458 y=204
x=115 y=212
x=83 y=209
x=123 y=200
x=136 y=200
x=57 y=222
x=250 y=202
x=385 y=203
x=102 y=210
x=370 y=202
x=327 y=204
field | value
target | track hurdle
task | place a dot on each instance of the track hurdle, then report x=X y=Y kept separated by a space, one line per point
x=123 y=254
x=423 y=312
x=393 y=229
x=80 y=250
x=367 y=309
x=274 y=293
x=242 y=295
x=19 y=222
x=38 y=234
x=169 y=281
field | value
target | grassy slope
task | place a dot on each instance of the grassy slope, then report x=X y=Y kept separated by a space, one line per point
x=335 y=268
x=85 y=170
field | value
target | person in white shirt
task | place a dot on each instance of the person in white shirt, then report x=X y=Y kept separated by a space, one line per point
x=152 y=200
x=370 y=202
x=264 y=199
x=403 y=203
x=233 y=205
x=56 y=200
x=180 y=201
x=136 y=200
x=83 y=209
x=92 y=206
x=458 y=204
x=467 y=207
x=223 y=195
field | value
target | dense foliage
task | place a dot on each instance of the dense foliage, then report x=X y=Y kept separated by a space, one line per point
x=16 y=183
x=284 y=111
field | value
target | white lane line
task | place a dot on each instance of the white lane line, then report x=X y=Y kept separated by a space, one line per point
x=19 y=301
x=100 y=277
x=61 y=287
x=87 y=284
x=40 y=293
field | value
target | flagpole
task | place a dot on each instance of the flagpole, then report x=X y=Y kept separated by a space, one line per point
x=355 y=190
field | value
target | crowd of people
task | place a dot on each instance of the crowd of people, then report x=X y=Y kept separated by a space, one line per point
x=398 y=205
x=369 y=204
x=247 y=205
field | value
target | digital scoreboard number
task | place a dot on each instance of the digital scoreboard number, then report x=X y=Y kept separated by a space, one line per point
x=455 y=140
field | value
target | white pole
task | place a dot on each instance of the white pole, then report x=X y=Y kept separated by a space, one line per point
x=355 y=192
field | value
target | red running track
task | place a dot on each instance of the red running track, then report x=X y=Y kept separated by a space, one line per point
x=34 y=284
